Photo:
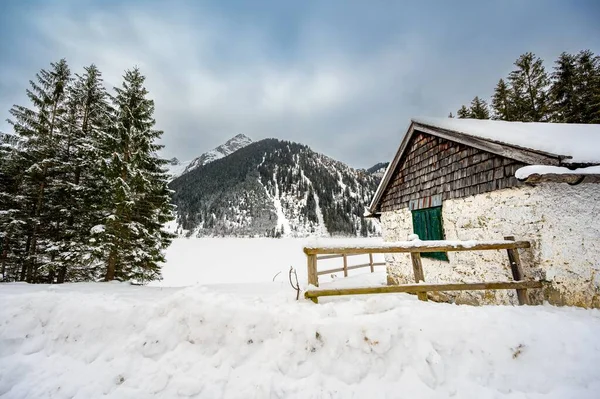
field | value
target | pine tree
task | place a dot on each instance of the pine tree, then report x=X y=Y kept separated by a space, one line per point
x=587 y=87
x=83 y=185
x=530 y=86
x=479 y=109
x=565 y=107
x=132 y=240
x=11 y=210
x=463 y=113
x=450 y=115
x=501 y=102
x=364 y=232
x=40 y=129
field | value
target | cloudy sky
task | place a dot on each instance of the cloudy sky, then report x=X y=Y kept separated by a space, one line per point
x=343 y=77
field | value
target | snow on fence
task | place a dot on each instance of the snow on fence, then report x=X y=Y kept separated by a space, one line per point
x=415 y=248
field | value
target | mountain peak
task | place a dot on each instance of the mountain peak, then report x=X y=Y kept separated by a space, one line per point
x=240 y=137
x=230 y=146
x=233 y=144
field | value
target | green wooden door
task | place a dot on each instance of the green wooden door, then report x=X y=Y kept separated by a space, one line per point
x=427 y=224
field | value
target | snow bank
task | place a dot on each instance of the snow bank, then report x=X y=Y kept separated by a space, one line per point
x=581 y=142
x=254 y=341
x=526 y=171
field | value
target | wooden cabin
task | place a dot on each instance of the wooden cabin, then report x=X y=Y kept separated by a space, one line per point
x=464 y=179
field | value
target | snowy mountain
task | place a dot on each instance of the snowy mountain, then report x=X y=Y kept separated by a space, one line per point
x=178 y=168
x=274 y=188
x=378 y=169
x=230 y=146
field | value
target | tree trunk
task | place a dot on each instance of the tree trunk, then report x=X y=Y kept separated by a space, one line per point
x=32 y=252
x=4 y=255
x=26 y=262
x=112 y=264
x=62 y=274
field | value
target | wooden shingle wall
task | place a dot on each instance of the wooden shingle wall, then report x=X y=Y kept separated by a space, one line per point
x=432 y=165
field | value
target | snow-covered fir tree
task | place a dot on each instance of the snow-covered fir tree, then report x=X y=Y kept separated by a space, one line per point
x=587 y=87
x=563 y=93
x=501 y=102
x=570 y=95
x=530 y=85
x=81 y=182
x=137 y=205
x=463 y=113
x=12 y=230
x=479 y=109
x=41 y=204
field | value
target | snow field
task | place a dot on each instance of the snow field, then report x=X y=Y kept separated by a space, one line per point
x=114 y=340
x=250 y=260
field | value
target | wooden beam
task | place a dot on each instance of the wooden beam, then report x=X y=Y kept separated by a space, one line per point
x=418 y=272
x=422 y=246
x=371 y=262
x=325 y=257
x=416 y=288
x=341 y=269
x=313 y=277
x=517 y=271
x=345 y=265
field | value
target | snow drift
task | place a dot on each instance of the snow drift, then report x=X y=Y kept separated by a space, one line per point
x=255 y=341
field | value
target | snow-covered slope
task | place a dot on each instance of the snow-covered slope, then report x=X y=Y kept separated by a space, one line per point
x=175 y=168
x=275 y=188
x=230 y=146
x=178 y=168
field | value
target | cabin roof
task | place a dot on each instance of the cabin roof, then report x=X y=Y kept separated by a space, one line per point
x=554 y=144
x=573 y=143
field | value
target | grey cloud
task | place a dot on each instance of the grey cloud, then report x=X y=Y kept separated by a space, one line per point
x=211 y=79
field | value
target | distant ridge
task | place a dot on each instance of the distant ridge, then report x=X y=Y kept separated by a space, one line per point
x=273 y=188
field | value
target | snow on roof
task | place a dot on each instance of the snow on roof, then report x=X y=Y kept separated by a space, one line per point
x=526 y=171
x=580 y=142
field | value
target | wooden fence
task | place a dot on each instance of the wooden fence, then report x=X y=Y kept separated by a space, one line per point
x=415 y=248
x=345 y=266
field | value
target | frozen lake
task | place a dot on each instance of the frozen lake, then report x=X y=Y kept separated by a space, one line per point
x=249 y=260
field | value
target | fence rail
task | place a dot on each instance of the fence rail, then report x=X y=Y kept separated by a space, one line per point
x=345 y=267
x=415 y=248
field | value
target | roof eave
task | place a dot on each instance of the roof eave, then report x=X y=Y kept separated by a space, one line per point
x=525 y=155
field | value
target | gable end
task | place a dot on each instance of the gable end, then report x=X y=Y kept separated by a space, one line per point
x=432 y=165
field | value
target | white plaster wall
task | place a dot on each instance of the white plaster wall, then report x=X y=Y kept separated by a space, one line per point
x=561 y=221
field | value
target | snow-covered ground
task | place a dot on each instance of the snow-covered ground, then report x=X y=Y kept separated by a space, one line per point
x=254 y=340
x=249 y=260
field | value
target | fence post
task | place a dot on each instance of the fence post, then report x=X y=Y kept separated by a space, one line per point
x=313 y=278
x=345 y=265
x=418 y=271
x=517 y=271
x=371 y=262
